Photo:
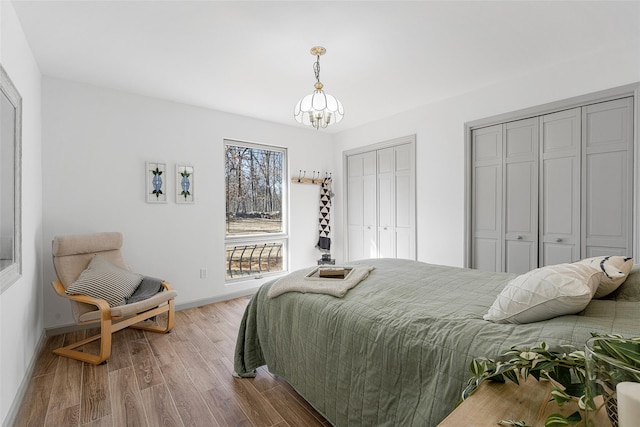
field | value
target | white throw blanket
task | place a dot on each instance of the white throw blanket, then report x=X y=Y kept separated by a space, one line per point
x=298 y=282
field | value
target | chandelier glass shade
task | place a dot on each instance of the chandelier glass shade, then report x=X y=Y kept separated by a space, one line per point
x=319 y=109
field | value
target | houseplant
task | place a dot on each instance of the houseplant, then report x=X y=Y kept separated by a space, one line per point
x=566 y=369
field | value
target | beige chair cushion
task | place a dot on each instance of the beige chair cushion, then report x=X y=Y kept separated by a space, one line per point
x=132 y=309
x=72 y=254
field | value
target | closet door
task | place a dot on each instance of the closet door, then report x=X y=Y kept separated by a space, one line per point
x=386 y=203
x=608 y=178
x=520 y=183
x=381 y=201
x=362 y=206
x=486 y=198
x=560 y=187
x=405 y=209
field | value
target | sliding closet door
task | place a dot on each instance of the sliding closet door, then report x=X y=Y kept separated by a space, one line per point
x=486 y=198
x=607 y=130
x=560 y=187
x=520 y=183
x=362 y=206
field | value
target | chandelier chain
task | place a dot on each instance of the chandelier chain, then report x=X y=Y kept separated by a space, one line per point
x=316 y=69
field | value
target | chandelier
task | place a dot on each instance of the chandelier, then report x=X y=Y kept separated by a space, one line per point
x=318 y=109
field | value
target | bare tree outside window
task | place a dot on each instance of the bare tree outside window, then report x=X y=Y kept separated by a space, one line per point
x=254 y=178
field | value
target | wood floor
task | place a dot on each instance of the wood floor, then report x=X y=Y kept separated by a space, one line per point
x=178 y=379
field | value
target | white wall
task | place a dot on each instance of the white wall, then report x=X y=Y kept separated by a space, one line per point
x=21 y=322
x=95 y=144
x=439 y=130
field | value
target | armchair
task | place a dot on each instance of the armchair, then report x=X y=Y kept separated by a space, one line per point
x=71 y=256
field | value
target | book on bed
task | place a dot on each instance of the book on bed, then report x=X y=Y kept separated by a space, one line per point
x=339 y=273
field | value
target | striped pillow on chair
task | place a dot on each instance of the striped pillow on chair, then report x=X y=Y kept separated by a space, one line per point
x=102 y=279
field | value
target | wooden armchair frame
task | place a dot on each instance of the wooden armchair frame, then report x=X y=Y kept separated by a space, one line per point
x=110 y=325
x=110 y=319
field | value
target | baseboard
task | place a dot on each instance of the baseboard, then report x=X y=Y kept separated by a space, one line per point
x=220 y=298
x=72 y=327
x=10 y=419
x=65 y=329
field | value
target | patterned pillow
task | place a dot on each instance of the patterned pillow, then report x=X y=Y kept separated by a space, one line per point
x=101 y=279
x=616 y=269
x=545 y=293
x=630 y=289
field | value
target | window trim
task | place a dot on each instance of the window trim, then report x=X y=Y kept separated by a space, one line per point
x=282 y=236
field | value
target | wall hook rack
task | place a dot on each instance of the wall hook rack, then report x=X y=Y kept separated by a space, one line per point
x=315 y=177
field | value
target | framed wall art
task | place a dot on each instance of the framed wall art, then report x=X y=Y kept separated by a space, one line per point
x=156 y=177
x=184 y=184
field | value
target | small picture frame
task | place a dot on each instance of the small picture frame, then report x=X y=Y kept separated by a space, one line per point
x=156 y=186
x=185 y=184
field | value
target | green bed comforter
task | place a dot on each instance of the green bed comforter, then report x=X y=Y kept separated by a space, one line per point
x=395 y=350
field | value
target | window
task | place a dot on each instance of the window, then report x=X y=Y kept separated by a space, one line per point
x=256 y=224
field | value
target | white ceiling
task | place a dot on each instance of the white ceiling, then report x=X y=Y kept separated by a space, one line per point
x=252 y=58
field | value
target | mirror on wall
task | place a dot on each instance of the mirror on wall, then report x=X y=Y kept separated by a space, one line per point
x=10 y=182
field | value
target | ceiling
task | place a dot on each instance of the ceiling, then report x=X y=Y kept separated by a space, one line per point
x=252 y=57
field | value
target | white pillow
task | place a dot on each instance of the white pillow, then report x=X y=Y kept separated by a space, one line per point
x=545 y=293
x=616 y=269
x=102 y=279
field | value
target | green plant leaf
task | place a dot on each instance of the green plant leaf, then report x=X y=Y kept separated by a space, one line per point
x=535 y=374
x=560 y=396
x=627 y=351
x=478 y=367
x=545 y=366
x=575 y=417
x=499 y=379
x=557 y=420
x=575 y=389
x=511 y=376
x=586 y=404
x=563 y=375
x=468 y=391
x=529 y=355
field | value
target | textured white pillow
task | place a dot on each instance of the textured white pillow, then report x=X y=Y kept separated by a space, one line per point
x=104 y=280
x=616 y=269
x=545 y=293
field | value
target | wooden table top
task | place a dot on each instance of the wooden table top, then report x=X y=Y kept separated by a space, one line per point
x=529 y=401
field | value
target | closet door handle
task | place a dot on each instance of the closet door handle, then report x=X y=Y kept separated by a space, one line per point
x=519 y=237
x=385 y=228
x=558 y=240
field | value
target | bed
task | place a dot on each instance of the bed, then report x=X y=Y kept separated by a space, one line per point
x=394 y=350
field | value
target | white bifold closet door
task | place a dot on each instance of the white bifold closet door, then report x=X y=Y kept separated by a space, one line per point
x=381 y=203
x=362 y=206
